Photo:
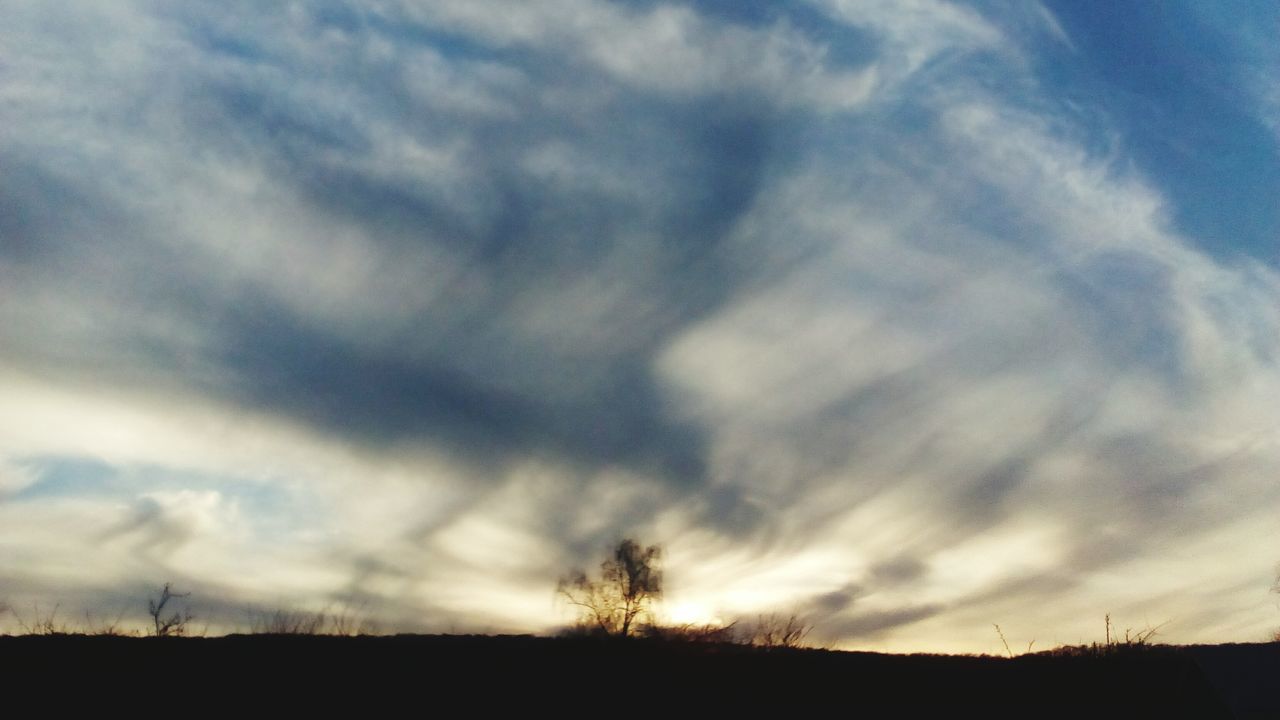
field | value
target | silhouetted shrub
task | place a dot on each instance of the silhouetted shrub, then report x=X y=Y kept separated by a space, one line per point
x=775 y=631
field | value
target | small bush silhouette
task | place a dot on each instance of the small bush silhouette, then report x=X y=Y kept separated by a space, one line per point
x=775 y=631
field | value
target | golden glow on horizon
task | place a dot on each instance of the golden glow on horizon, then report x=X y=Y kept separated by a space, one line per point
x=690 y=613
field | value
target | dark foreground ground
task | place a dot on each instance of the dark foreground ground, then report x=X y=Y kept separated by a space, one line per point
x=453 y=676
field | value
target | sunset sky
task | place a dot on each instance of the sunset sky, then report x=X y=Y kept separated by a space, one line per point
x=911 y=317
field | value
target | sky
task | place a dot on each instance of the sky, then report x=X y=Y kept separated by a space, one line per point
x=911 y=317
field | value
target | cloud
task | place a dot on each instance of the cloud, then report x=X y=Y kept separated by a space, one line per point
x=14 y=479
x=424 y=303
x=871 y=624
x=665 y=48
x=915 y=32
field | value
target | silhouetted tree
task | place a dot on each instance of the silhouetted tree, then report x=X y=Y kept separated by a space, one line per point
x=630 y=581
x=175 y=624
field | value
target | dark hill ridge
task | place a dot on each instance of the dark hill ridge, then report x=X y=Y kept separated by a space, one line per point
x=587 y=676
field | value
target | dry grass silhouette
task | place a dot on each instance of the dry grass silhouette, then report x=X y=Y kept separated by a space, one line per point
x=693 y=633
x=346 y=621
x=42 y=622
x=1133 y=641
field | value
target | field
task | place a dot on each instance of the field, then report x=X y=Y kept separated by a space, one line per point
x=464 y=675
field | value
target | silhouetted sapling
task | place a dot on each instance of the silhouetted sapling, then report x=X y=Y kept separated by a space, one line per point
x=175 y=624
